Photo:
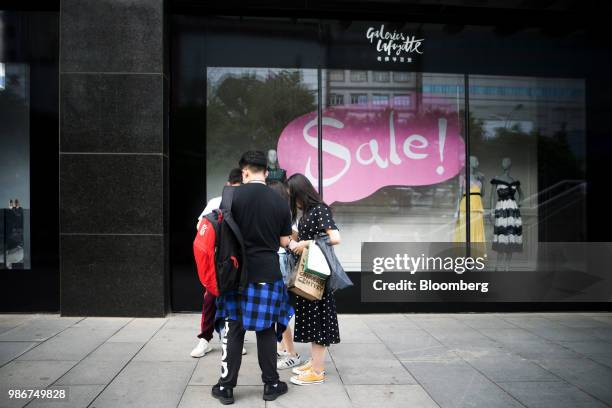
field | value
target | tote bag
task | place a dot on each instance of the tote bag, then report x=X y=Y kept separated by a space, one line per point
x=316 y=263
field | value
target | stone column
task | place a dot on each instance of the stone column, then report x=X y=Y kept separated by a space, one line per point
x=113 y=159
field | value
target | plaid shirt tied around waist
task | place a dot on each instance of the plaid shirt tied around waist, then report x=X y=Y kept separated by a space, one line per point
x=259 y=307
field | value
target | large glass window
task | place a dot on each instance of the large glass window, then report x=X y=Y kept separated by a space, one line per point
x=15 y=166
x=398 y=163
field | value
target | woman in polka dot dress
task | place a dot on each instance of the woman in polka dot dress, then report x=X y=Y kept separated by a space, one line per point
x=316 y=321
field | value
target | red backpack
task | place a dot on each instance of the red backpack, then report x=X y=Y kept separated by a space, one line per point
x=204 y=246
x=218 y=249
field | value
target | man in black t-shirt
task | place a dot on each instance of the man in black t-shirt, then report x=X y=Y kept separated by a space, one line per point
x=263 y=217
x=264 y=220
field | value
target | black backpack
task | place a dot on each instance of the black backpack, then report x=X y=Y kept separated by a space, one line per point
x=230 y=258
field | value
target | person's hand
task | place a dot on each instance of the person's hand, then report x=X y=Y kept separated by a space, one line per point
x=300 y=247
x=292 y=245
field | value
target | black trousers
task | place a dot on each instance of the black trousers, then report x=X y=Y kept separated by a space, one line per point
x=231 y=354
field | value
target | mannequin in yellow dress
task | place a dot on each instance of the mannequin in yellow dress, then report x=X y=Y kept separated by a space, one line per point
x=477 y=231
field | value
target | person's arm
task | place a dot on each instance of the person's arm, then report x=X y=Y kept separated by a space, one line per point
x=285 y=230
x=284 y=241
x=213 y=204
x=334 y=236
x=334 y=239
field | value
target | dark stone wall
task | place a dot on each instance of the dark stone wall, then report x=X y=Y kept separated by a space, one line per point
x=113 y=159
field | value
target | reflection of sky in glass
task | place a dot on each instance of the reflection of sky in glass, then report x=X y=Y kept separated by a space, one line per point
x=2 y=77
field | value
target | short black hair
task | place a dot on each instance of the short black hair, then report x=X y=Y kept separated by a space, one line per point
x=235 y=176
x=255 y=160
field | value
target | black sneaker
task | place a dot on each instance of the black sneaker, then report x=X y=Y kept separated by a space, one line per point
x=271 y=391
x=225 y=395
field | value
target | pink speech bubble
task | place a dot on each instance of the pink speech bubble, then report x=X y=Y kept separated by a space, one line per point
x=365 y=149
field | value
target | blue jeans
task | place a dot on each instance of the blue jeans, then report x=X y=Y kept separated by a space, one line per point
x=282 y=258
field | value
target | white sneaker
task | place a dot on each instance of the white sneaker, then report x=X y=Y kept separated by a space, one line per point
x=201 y=349
x=288 y=361
x=243 y=351
x=280 y=354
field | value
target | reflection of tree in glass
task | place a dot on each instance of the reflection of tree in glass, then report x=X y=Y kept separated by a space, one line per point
x=249 y=112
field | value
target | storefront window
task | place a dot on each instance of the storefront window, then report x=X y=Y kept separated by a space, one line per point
x=14 y=167
x=398 y=163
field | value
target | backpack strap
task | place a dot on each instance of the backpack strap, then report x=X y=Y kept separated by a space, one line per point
x=226 y=198
x=243 y=269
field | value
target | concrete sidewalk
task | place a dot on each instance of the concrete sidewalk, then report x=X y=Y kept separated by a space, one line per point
x=451 y=360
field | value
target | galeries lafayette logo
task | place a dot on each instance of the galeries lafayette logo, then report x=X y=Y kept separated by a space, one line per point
x=366 y=150
x=394 y=46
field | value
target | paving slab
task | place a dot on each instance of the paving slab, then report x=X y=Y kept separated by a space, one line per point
x=586 y=374
x=354 y=330
x=323 y=395
x=169 y=344
x=138 y=330
x=147 y=384
x=79 y=396
x=102 y=365
x=24 y=375
x=562 y=333
x=74 y=343
x=369 y=364
x=530 y=321
x=456 y=384
x=389 y=322
x=389 y=396
x=465 y=336
x=10 y=321
x=39 y=328
x=589 y=347
x=579 y=322
x=479 y=321
x=510 y=368
x=10 y=350
x=549 y=394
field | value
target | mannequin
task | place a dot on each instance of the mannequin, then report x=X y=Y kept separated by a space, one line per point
x=476 y=209
x=274 y=171
x=506 y=215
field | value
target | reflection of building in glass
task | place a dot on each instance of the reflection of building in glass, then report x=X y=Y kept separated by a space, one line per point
x=366 y=88
x=545 y=105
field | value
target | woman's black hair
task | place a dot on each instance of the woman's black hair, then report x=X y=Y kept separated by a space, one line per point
x=280 y=188
x=301 y=190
